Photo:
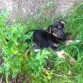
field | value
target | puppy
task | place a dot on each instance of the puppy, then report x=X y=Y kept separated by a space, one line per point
x=50 y=38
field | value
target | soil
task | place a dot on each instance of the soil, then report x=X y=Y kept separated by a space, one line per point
x=27 y=8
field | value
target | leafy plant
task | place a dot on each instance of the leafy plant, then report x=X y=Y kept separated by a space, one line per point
x=16 y=59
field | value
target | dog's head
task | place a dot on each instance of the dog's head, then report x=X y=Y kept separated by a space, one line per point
x=57 y=29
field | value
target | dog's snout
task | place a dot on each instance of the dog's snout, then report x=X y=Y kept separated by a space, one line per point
x=62 y=35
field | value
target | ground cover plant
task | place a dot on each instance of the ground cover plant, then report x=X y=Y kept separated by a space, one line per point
x=18 y=65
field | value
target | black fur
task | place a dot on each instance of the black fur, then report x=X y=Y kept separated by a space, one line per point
x=51 y=37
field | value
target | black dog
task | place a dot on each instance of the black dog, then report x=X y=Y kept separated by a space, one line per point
x=51 y=37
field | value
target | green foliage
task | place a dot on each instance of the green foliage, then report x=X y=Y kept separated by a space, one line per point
x=16 y=59
x=76 y=21
x=13 y=48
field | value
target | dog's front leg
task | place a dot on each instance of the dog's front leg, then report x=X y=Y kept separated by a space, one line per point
x=69 y=42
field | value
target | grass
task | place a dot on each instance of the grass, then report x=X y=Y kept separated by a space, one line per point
x=17 y=62
x=75 y=25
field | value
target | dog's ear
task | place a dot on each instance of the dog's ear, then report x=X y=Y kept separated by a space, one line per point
x=50 y=28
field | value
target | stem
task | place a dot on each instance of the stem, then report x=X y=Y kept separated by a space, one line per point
x=7 y=79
